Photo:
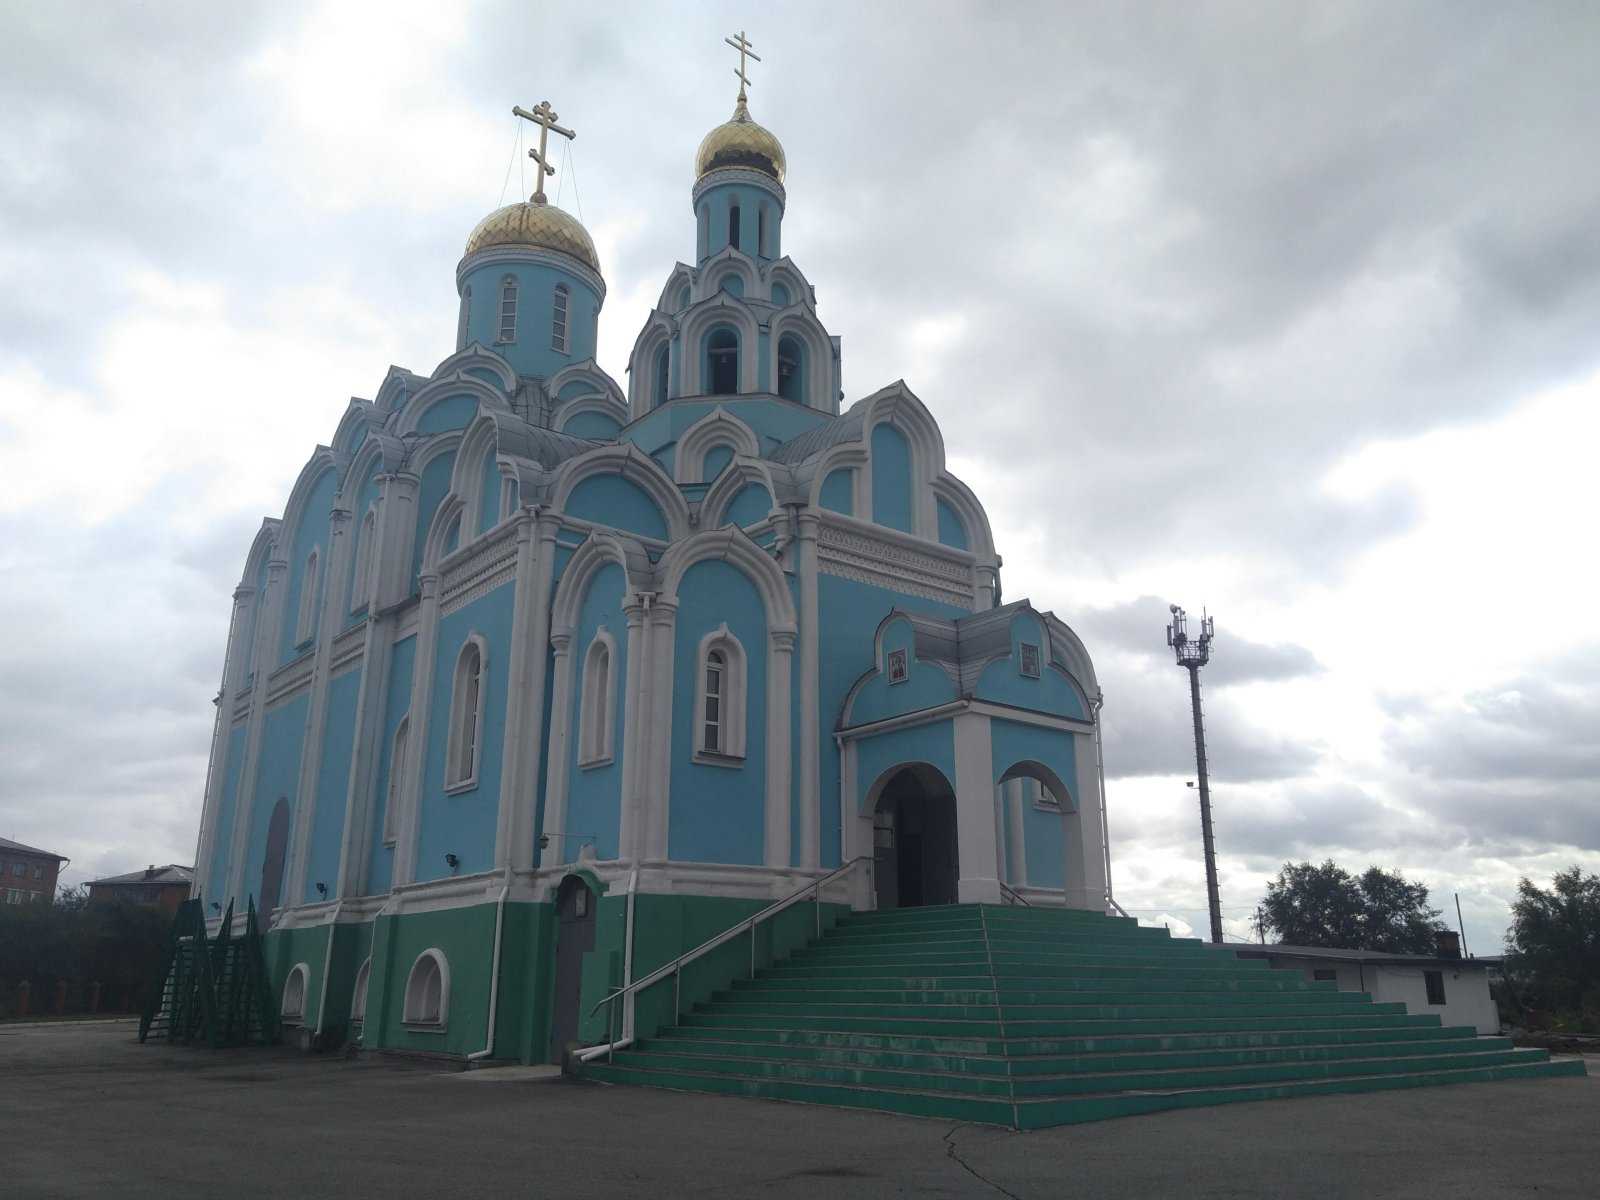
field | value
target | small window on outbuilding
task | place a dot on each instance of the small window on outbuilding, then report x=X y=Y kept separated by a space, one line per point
x=1030 y=660
x=1434 y=980
x=1325 y=975
x=897 y=666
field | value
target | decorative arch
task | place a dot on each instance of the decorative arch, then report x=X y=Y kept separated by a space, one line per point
x=597 y=720
x=955 y=493
x=595 y=381
x=597 y=551
x=594 y=402
x=1045 y=776
x=380 y=451
x=719 y=266
x=733 y=546
x=698 y=322
x=427 y=1000
x=475 y=357
x=721 y=696
x=322 y=460
x=449 y=519
x=929 y=775
x=635 y=466
x=464 y=735
x=801 y=322
x=717 y=427
x=847 y=456
x=682 y=277
x=459 y=383
x=785 y=272
x=398 y=386
x=1068 y=652
x=292 y=1007
x=358 y=419
x=738 y=474
x=897 y=405
x=658 y=332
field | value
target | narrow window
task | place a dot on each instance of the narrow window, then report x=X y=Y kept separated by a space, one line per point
x=363 y=581
x=761 y=230
x=661 y=376
x=1435 y=984
x=461 y=321
x=358 y=997
x=508 y=309
x=705 y=229
x=791 y=374
x=397 y=769
x=305 y=618
x=466 y=723
x=722 y=362
x=294 y=995
x=595 y=719
x=427 y=991
x=558 y=323
x=715 y=665
x=1030 y=660
x=733 y=227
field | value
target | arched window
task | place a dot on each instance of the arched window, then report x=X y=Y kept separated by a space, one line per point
x=733 y=227
x=596 y=721
x=397 y=773
x=293 y=1009
x=461 y=320
x=558 y=321
x=428 y=992
x=792 y=368
x=305 y=622
x=722 y=362
x=662 y=358
x=358 y=997
x=508 y=309
x=466 y=718
x=720 y=698
x=360 y=589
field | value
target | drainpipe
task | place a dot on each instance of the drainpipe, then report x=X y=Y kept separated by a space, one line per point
x=327 y=967
x=1105 y=829
x=494 y=977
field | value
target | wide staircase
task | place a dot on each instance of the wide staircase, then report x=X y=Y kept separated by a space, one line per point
x=1032 y=1017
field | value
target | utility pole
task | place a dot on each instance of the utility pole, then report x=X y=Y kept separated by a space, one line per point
x=1192 y=655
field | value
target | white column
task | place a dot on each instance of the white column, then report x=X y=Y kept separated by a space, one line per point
x=975 y=811
x=217 y=765
x=408 y=830
x=656 y=783
x=780 y=656
x=810 y=747
x=635 y=724
x=1014 y=800
x=555 y=789
x=525 y=787
x=265 y=655
x=514 y=752
x=1085 y=868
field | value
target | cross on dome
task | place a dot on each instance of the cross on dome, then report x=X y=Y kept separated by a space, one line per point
x=545 y=118
x=746 y=49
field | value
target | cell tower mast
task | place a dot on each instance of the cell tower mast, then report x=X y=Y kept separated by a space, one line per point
x=1192 y=655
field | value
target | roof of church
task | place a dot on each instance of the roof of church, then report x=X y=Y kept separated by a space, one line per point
x=844 y=428
x=740 y=142
x=534 y=223
x=8 y=844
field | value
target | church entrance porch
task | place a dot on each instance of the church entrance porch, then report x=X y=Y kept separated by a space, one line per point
x=915 y=857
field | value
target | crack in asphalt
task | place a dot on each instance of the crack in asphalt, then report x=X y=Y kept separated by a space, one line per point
x=950 y=1153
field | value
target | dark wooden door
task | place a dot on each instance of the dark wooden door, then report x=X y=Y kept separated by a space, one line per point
x=575 y=906
x=272 y=865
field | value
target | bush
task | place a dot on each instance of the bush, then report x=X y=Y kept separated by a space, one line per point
x=71 y=941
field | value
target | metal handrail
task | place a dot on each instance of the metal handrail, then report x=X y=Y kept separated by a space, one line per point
x=1011 y=896
x=675 y=967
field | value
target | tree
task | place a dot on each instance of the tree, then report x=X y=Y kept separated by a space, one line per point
x=1553 y=947
x=1325 y=905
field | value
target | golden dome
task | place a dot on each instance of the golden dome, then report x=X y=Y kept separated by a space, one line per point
x=740 y=143
x=534 y=223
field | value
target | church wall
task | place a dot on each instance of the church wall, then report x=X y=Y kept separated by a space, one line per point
x=452 y=412
x=1003 y=682
x=951 y=531
x=715 y=462
x=464 y=823
x=774 y=423
x=849 y=613
x=431 y=491
x=597 y=426
x=1044 y=840
x=333 y=778
x=594 y=793
x=933 y=743
x=283 y=949
x=488 y=492
x=312 y=532
x=891 y=479
x=613 y=501
x=925 y=685
x=717 y=811
x=396 y=703
x=466 y=938
x=277 y=776
x=752 y=504
x=838 y=492
x=531 y=353
x=217 y=882
x=1044 y=831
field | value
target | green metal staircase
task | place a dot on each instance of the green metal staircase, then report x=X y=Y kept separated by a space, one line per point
x=1032 y=1017
x=215 y=991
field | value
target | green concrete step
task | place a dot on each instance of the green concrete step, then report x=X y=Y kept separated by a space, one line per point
x=756 y=1003
x=975 y=1027
x=1086 y=968
x=1079 y=991
x=1154 y=981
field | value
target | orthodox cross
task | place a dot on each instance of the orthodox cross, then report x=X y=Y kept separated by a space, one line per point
x=545 y=118
x=745 y=49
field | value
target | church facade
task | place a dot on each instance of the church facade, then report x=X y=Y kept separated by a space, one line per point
x=541 y=680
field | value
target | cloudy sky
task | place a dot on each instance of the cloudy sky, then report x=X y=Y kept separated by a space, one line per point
x=1288 y=310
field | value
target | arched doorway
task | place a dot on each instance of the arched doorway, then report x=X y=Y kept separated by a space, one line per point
x=915 y=860
x=272 y=864
x=575 y=923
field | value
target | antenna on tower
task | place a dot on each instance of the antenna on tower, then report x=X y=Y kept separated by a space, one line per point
x=1192 y=654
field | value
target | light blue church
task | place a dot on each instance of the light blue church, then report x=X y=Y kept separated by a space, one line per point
x=541 y=680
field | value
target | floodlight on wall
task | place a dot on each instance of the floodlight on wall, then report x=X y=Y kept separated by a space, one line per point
x=451 y=861
x=215 y=906
x=322 y=890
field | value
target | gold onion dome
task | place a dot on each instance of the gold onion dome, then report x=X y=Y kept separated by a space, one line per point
x=740 y=143
x=534 y=223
